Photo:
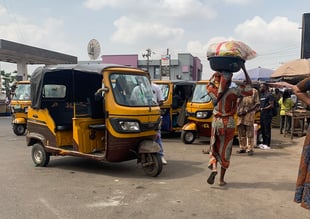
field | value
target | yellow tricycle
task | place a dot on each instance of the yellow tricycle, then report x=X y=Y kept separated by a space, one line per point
x=86 y=110
x=19 y=106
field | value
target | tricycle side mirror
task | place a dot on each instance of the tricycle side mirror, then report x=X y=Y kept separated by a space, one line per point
x=98 y=94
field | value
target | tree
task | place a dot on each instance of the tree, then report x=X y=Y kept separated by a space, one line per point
x=7 y=80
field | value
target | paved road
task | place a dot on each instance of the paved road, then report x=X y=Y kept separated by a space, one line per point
x=261 y=186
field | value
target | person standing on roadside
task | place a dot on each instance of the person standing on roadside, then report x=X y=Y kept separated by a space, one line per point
x=158 y=96
x=266 y=114
x=277 y=94
x=302 y=192
x=247 y=108
x=286 y=104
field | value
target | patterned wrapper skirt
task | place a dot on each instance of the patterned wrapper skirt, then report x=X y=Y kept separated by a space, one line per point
x=302 y=194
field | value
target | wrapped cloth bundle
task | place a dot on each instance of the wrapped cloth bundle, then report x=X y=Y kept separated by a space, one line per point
x=229 y=56
x=231 y=48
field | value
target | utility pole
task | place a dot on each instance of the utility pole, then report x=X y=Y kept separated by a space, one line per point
x=165 y=66
x=147 y=55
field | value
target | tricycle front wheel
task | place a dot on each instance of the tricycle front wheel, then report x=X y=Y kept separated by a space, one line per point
x=19 y=129
x=188 y=137
x=151 y=164
x=39 y=156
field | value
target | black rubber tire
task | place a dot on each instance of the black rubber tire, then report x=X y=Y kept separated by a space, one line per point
x=19 y=129
x=188 y=137
x=39 y=156
x=152 y=164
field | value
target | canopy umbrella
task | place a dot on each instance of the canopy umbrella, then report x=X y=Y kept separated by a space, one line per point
x=294 y=68
x=256 y=74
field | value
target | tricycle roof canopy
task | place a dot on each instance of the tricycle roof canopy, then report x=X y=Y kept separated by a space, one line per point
x=78 y=78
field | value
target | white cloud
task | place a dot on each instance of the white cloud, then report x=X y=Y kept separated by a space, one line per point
x=118 y=4
x=3 y=10
x=99 y=4
x=280 y=30
x=48 y=35
x=238 y=1
x=189 y=9
x=135 y=32
x=275 y=41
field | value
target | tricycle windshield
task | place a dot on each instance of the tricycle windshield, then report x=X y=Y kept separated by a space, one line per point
x=22 y=92
x=54 y=91
x=201 y=94
x=132 y=90
x=165 y=90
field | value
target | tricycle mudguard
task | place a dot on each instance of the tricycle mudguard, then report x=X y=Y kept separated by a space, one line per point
x=191 y=126
x=19 y=121
x=148 y=146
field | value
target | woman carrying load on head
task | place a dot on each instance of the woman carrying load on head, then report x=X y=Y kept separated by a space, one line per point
x=224 y=99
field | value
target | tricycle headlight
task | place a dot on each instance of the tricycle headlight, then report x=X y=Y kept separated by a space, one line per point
x=129 y=126
x=201 y=115
x=125 y=125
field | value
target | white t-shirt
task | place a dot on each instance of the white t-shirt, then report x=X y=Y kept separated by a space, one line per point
x=294 y=98
x=158 y=95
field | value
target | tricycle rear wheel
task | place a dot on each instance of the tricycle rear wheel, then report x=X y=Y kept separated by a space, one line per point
x=151 y=164
x=39 y=156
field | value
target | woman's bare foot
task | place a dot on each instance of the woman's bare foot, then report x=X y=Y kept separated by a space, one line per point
x=206 y=151
x=222 y=183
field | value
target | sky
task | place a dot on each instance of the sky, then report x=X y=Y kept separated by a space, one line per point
x=271 y=28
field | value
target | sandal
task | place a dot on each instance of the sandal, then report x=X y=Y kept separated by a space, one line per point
x=206 y=151
x=212 y=177
x=250 y=152
x=241 y=151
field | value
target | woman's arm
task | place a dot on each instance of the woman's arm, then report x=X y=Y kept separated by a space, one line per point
x=300 y=95
x=303 y=97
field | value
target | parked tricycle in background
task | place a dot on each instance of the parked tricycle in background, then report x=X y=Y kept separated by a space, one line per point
x=87 y=111
x=176 y=94
x=19 y=106
x=199 y=111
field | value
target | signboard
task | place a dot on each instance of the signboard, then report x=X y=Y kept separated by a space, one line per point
x=165 y=60
x=165 y=67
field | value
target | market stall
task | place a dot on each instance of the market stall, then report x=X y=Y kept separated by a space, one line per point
x=298 y=121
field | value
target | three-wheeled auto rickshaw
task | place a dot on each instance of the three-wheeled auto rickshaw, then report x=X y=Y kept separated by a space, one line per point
x=19 y=106
x=199 y=112
x=86 y=110
x=176 y=94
